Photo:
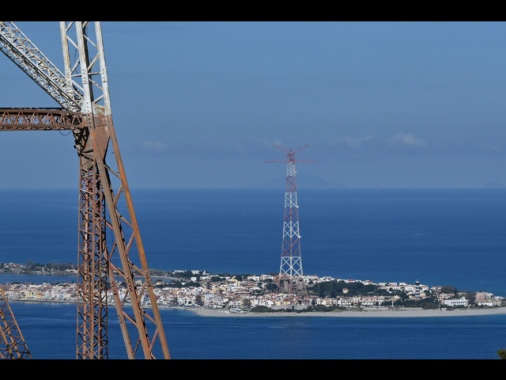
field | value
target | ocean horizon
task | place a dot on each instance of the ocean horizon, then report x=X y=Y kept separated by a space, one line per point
x=435 y=236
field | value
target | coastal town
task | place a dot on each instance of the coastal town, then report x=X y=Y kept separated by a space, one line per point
x=254 y=293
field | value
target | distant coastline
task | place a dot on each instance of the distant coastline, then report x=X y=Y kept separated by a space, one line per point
x=402 y=312
x=363 y=313
x=227 y=295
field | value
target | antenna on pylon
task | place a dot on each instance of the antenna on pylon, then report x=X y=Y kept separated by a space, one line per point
x=291 y=278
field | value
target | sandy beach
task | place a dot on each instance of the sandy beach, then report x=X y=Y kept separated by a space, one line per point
x=369 y=313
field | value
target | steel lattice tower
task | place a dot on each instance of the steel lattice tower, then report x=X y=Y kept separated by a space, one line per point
x=291 y=274
x=12 y=343
x=110 y=250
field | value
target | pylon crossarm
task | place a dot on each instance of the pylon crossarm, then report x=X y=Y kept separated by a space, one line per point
x=16 y=46
x=32 y=119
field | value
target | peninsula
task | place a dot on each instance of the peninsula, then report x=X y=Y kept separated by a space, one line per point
x=221 y=295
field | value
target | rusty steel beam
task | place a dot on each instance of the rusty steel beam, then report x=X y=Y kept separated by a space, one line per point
x=92 y=329
x=146 y=330
x=43 y=119
x=12 y=343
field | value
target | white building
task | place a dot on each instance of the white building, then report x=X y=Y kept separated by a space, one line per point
x=460 y=302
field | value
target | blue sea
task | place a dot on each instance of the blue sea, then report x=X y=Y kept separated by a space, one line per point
x=436 y=236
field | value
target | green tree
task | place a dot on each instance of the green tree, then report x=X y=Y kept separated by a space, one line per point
x=271 y=287
x=502 y=353
x=198 y=300
x=449 y=289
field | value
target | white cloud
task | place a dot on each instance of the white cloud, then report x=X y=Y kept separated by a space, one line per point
x=492 y=148
x=406 y=139
x=356 y=142
x=153 y=146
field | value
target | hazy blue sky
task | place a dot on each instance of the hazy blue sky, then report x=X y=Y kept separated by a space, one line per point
x=201 y=104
